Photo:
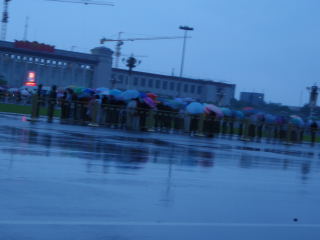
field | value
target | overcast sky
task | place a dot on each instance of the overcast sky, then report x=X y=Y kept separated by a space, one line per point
x=269 y=46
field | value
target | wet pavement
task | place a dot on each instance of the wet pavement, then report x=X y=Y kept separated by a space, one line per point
x=74 y=182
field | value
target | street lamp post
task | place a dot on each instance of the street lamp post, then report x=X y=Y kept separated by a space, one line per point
x=314 y=92
x=186 y=29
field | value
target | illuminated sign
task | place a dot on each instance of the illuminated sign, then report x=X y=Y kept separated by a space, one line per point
x=30 y=84
x=31 y=79
x=34 y=46
x=31 y=76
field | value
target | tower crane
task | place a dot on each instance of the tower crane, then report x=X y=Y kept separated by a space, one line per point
x=5 y=18
x=120 y=41
x=86 y=2
x=5 y=14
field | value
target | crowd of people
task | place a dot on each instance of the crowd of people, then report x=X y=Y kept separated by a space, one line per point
x=133 y=110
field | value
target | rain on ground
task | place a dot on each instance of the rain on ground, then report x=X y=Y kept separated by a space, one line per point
x=74 y=182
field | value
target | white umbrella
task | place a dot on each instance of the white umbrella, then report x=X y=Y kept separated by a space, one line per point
x=24 y=92
x=13 y=90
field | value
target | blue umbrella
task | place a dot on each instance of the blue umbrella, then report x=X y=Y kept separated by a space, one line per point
x=271 y=119
x=297 y=121
x=143 y=95
x=226 y=112
x=195 y=108
x=187 y=100
x=237 y=114
x=115 y=92
x=102 y=90
x=130 y=94
x=88 y=91
x=249 y=111
x=175 y=103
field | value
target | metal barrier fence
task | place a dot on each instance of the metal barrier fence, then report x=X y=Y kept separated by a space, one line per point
x=141 y=119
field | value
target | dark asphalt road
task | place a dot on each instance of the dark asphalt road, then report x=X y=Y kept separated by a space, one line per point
x=72 y=182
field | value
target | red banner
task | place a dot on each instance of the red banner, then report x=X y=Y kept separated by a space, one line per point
x=34 y=46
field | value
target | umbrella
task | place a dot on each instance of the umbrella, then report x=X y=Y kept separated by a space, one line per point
x=152 y=96
x=296 y=120
x=88 y=91
x=281 y=120
x=195 y=108
x=149 y=102
x=187 y=100
x=237 y=114
x=249 y=111
x=71 y=87
x=104 y=93
x=174 y=103
x=143 y=95
x=271 y=119
x=25 y=92
x=78 y=90
x=29 y=88
x=226 y=112
x=101 y=90
x=130 y=94
x=260 y=116
x=115 y=92
x=212 y=108
x=13 y=90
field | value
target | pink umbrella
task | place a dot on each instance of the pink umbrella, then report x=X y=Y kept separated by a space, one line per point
x=150 y=102
x=212 y=108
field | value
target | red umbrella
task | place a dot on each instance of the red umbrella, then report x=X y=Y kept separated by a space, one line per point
x=152 y=96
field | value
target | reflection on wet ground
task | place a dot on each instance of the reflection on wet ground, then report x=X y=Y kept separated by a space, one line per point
x=62 y=173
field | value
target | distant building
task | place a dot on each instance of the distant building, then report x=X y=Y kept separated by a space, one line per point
x=172 y=86
x=53 y=66
x=252 y=98
x=23 y=62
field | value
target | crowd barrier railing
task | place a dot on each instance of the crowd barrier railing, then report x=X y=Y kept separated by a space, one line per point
x=141 y=119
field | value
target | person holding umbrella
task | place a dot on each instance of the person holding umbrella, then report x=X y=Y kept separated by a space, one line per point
x=52 y=102
x=313 y=131
x=132 y=119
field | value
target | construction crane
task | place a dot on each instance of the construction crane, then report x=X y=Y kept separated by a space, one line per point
x=120 y=41
x=5 y=14
x=5 y=18
x=86 y=2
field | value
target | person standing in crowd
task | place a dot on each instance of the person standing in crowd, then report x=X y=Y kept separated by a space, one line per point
x=69 y=102
x=52 y=102
x=93 y=110
x=225 y=124
x=132 y=115
x=64 y=107
x=313 y=131
x=163 y=117
x=194 y=124
x=38 y=100
x=75 y=107
x=113 y=112
x=208 y=124
x=260 y=127
x=232 y=120
x=103 y=106
x=143 y=110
